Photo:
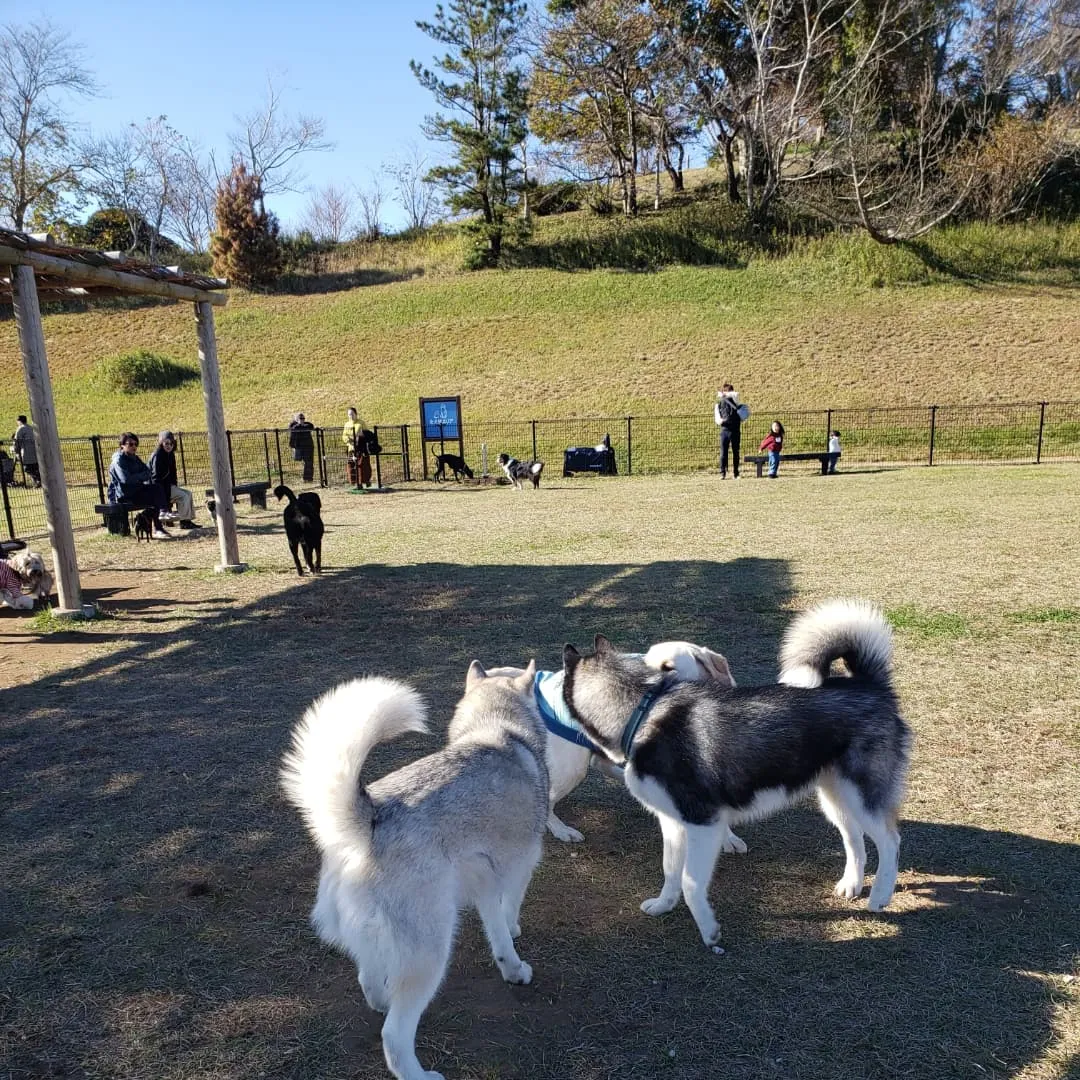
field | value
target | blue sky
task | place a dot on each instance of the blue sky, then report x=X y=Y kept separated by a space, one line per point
x=200 y=64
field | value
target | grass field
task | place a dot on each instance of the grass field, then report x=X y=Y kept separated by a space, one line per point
x=154 y=887
x=979 y=315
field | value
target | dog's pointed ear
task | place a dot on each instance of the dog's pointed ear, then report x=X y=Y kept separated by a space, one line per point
x=601 y=645
x=570 y=657
x=525 y=680
x=476 y=674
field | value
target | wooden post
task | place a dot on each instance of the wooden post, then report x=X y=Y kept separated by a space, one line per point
x=54 y=488
x=216 y=438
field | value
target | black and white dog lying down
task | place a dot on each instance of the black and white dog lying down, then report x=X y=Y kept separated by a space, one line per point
x=516 y=471
x=702 y=756
x=303 y=527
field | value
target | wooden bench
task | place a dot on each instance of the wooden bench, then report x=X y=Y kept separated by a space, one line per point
x=761 y=460
x=116 y=516
x=256 y=492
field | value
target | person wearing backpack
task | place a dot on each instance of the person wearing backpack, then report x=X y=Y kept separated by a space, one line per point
x=728 y=414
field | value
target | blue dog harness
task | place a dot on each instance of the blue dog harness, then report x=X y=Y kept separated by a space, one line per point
x=548 y=690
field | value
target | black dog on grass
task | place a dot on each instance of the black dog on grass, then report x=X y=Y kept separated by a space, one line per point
x=144 y=525
x=454 y=463
x=303 y=526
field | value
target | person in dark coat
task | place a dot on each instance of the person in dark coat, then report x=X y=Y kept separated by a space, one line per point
x=163 y=472
x=302 y=444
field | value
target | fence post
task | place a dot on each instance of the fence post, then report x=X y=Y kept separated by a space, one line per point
x=277 y=444
x=320 y=449
x=378 y=466
x=99 y=467
x=183 y=460
x=828 y=426
x=629 y=445
x=7 y=506
x=266 y=455
x=933 y=430
x=533 y=422
x=406 y=465
x=232 y=471
x=1042 y=422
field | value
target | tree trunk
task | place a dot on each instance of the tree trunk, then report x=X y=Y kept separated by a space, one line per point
x=732 y=176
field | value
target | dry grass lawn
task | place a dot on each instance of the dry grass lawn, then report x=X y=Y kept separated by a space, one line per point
x=154 y=887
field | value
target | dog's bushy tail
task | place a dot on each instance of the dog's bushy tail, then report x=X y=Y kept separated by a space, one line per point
x=536 y=468
x=852 y=630
x=281 y=491
x=321 y=772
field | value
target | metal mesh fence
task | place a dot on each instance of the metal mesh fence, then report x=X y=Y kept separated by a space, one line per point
x=917 y=435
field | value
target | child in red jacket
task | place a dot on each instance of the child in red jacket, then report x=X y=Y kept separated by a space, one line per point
x=772 y=443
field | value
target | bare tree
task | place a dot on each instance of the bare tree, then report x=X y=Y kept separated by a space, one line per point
x=369 y=200
x=116 y=177
x=39 y=67
x=269 y=141
x=956 y=139
x=329 y=214
x=190 y=212
x=413 y=191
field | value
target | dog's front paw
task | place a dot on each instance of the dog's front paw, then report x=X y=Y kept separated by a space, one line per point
x=733 y=845
x=561 y=831
x=849 y=888
x=658 y=905
x=519 y=976
x=711 y=936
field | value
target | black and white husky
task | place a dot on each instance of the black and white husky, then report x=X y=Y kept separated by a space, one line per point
x=702 y=757
x=516 y=471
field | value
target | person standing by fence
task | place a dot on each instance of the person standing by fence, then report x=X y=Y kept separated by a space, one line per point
x=24 y=450
x=772 y=444
x=355 y=440
x=727 y=416
x=834 y=451
x=302 y=444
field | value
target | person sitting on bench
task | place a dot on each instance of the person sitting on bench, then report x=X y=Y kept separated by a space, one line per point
x=130 y=482
x=163 y=472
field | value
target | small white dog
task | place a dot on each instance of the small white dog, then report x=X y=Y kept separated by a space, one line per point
x=462 y=827
x=30 y=567
x=569 y=750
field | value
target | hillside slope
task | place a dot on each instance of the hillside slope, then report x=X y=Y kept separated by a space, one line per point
x=792 y=333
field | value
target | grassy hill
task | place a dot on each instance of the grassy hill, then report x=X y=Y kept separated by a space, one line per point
x=978 y=314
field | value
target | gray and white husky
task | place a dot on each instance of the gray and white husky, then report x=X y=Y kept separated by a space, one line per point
x=402 y=856
x=702 y=757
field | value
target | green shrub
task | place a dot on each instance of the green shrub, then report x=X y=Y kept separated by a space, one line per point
x=134 y=372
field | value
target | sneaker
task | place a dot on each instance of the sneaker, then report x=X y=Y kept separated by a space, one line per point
x=185 y=524
x=161 y=534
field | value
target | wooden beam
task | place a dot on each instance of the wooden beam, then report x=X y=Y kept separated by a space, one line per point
x=217 y=439
x=83 y=274
x=39 y=388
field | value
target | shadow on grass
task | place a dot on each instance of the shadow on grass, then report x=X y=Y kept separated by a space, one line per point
x=304 y=284
x=154 y=888
x=995 y=270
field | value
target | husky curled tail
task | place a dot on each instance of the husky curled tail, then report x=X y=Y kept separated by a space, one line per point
x=850 y=630
x=321 y=773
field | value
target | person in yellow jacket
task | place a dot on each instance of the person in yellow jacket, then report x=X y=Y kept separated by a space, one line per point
x=356 y=449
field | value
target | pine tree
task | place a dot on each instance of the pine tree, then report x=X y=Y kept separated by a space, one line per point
x=487 y=92
x=245 y=243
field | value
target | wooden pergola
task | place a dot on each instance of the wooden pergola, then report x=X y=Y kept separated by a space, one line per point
x=34 y=269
